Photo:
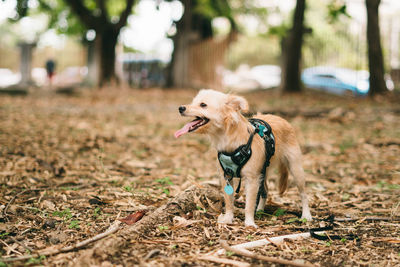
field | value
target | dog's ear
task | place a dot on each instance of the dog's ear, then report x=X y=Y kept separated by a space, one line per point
x=238 y=103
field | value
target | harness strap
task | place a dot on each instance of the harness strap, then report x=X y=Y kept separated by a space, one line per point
x=265 y=132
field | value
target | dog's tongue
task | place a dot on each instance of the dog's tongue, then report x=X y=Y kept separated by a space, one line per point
x=186 y=128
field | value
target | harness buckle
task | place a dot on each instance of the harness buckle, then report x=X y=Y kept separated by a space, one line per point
x=261 y=130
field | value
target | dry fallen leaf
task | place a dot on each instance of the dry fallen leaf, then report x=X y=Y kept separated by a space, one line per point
x=132 y=218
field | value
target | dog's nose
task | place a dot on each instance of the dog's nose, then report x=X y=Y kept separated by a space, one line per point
x=182 y=109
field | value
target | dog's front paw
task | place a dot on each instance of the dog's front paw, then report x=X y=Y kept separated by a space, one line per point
x=225 y=218
x=250 y=223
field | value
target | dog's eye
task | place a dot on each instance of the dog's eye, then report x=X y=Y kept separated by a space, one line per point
x=203 y=105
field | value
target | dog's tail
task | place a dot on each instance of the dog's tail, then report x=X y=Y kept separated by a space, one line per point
x=283 y=179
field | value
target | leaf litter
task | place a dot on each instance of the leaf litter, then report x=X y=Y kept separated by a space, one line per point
x=86 y=161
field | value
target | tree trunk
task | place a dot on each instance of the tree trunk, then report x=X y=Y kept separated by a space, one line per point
x=377 y=83
x=177 y=71
x=290 y=81
x=108 y=41
x=106 y=34
x=192 y=27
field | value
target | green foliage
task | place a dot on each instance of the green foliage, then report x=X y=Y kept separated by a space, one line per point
x=4 y=234
x=66 y=214
x=166 y=191
x=385 y=185
x=345 y=197
x=3 y=264
x=292 y=220
x=346 y=144
x=205 y=8
x=229 y=253
x=279 y=212
x=331 y=41
x=35 y=261
x=249 y=7
x=63 y=19
x=336 y=9
x=128 y=188
x=164 y=181
x=201 y=209
x=279 y=30
x=22 y=8
x=249 y=237
x=163 y=227
x=261 y=213
x=96 y=212
x=74 y=224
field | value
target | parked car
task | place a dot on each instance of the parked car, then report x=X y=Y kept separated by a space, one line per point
x=245 y=78
x=268 y=76
x=39 y=76
x=340 y=81
x=8 y=78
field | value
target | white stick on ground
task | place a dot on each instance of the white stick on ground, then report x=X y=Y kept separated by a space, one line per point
x=263 y=242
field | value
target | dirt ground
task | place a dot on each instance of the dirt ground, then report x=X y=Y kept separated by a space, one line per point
x=72 y=165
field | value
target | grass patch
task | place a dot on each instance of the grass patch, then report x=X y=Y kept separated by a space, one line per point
x=65 y=214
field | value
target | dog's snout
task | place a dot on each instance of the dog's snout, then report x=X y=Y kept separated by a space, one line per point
x=182 y=109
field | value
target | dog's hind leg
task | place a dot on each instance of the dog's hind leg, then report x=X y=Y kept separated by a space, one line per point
x=261 y=203
x=294 y=164
x=226 y=218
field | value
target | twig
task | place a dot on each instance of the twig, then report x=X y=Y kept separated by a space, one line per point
x=246 y=253
x=21 y=244
x=151 y=254
x=11 y=249
x=12 y=201
x=272 y=242
x=112 y=229
x=224 y=261
x=262 y=242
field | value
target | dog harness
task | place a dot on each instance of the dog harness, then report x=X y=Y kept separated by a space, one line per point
x=232 y=163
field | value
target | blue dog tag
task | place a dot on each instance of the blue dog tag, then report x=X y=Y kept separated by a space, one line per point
x=228 y=189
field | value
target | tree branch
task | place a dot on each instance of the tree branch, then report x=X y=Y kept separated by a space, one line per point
x=123 y=18
x=103 y=9
x=83 y=13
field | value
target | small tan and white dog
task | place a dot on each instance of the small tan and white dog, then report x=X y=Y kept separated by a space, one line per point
x=219 y=116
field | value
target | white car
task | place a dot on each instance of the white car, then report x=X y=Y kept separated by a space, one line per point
x=257 y=77
x=8 y=78
x=268 y=76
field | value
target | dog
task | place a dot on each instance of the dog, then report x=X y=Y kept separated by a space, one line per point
x=219 y=116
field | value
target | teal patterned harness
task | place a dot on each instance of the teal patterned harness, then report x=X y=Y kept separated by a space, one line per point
x=232 y=163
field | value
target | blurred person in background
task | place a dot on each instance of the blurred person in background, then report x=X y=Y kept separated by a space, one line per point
x=50 y=69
